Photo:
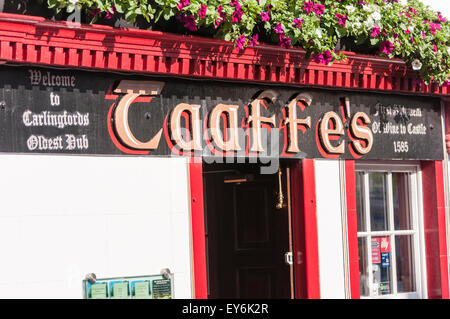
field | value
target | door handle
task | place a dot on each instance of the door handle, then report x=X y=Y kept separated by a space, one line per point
x=288 y=258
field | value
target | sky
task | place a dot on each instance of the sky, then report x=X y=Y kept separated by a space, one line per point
x=439 y=5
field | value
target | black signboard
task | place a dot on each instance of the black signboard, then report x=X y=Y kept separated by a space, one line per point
x=82 y=112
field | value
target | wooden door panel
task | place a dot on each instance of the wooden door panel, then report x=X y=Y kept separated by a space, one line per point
x=247 y=237
x=251 y=216
x=256 y=283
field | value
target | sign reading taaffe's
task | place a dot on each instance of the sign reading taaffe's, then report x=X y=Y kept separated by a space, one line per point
x=81 y=112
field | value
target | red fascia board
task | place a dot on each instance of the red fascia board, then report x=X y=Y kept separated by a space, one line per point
x=264 y=63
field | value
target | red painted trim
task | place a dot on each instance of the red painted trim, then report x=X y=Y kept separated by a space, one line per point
x=435 y=229
x=311 y=233
x=198 y=229
x=34 y=40
x=352 y=229
x=305 y=235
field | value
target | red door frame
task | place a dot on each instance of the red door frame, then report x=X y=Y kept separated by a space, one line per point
x=304 y=230
x=434 y=229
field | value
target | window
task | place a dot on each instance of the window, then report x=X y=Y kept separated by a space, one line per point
x=389 y=231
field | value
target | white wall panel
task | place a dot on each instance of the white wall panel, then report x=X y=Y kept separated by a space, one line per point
x=329 y=224
x=62 y=217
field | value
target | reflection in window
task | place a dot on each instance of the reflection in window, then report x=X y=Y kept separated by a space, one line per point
x=378 y=209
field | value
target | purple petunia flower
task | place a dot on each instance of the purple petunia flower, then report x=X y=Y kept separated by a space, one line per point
x=285 y=42
x=237 y=14
x=327 y=57
x=202 y=11
x=264 y=16
x=240 y=42
x=375 y=31
x=324 y=57
x=318 y=58
x=387 y=47
x=189 y=22
x=308 y=7
x=319 y=9
x=342 y=19
x=254 y=41
x=222 y=16
x=434 y=27
x=110 y=15
x=278 y=29
x=298 y=22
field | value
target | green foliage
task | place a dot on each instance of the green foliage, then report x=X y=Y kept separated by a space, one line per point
x=410 y=31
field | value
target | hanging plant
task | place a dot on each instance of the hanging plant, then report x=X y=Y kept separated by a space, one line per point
x=403 y=29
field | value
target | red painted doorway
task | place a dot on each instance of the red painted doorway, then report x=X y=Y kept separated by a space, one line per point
x=248 y=231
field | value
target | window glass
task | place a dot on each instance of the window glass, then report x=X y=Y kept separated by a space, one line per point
x=387 y=235
x=405 y=264
x=361 y=220
x=378 y=205
x=402 y=220
x=363 y=269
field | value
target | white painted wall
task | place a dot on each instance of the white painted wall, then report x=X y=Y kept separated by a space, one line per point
x=62 y=217
x=329 y=225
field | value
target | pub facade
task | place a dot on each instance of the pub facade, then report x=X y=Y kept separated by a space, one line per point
x=253 y=174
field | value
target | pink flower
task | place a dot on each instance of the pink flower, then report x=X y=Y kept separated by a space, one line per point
x=413 y=11
x=441 y=18
x=240 y=42
x=308 y=7
x=189 y=22
x=237 y=14
x=434 y=27
x=222 y=16
x=324 y=57
x=183 y=3
x=278 y=29
x=327 y=57
x=342 y=19
x=285 y=42
x=435 y=48
x=254 y=41
x=110 y=15
x=318 y=58
x=375 y=32
x=387 y=47
x=362 y=2
x=298 y=22
x=319 y=9
x=202 y=11
x=264 y=16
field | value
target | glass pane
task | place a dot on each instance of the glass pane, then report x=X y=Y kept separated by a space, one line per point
x=361 y=219
x=381 y=266
x=405 y=265
x=378 y=205
x=363 y=270
x=402 y=219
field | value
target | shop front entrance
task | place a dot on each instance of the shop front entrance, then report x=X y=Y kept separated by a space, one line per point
x=248 y=232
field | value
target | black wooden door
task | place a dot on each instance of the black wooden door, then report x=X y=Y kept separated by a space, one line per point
x=247 y=236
